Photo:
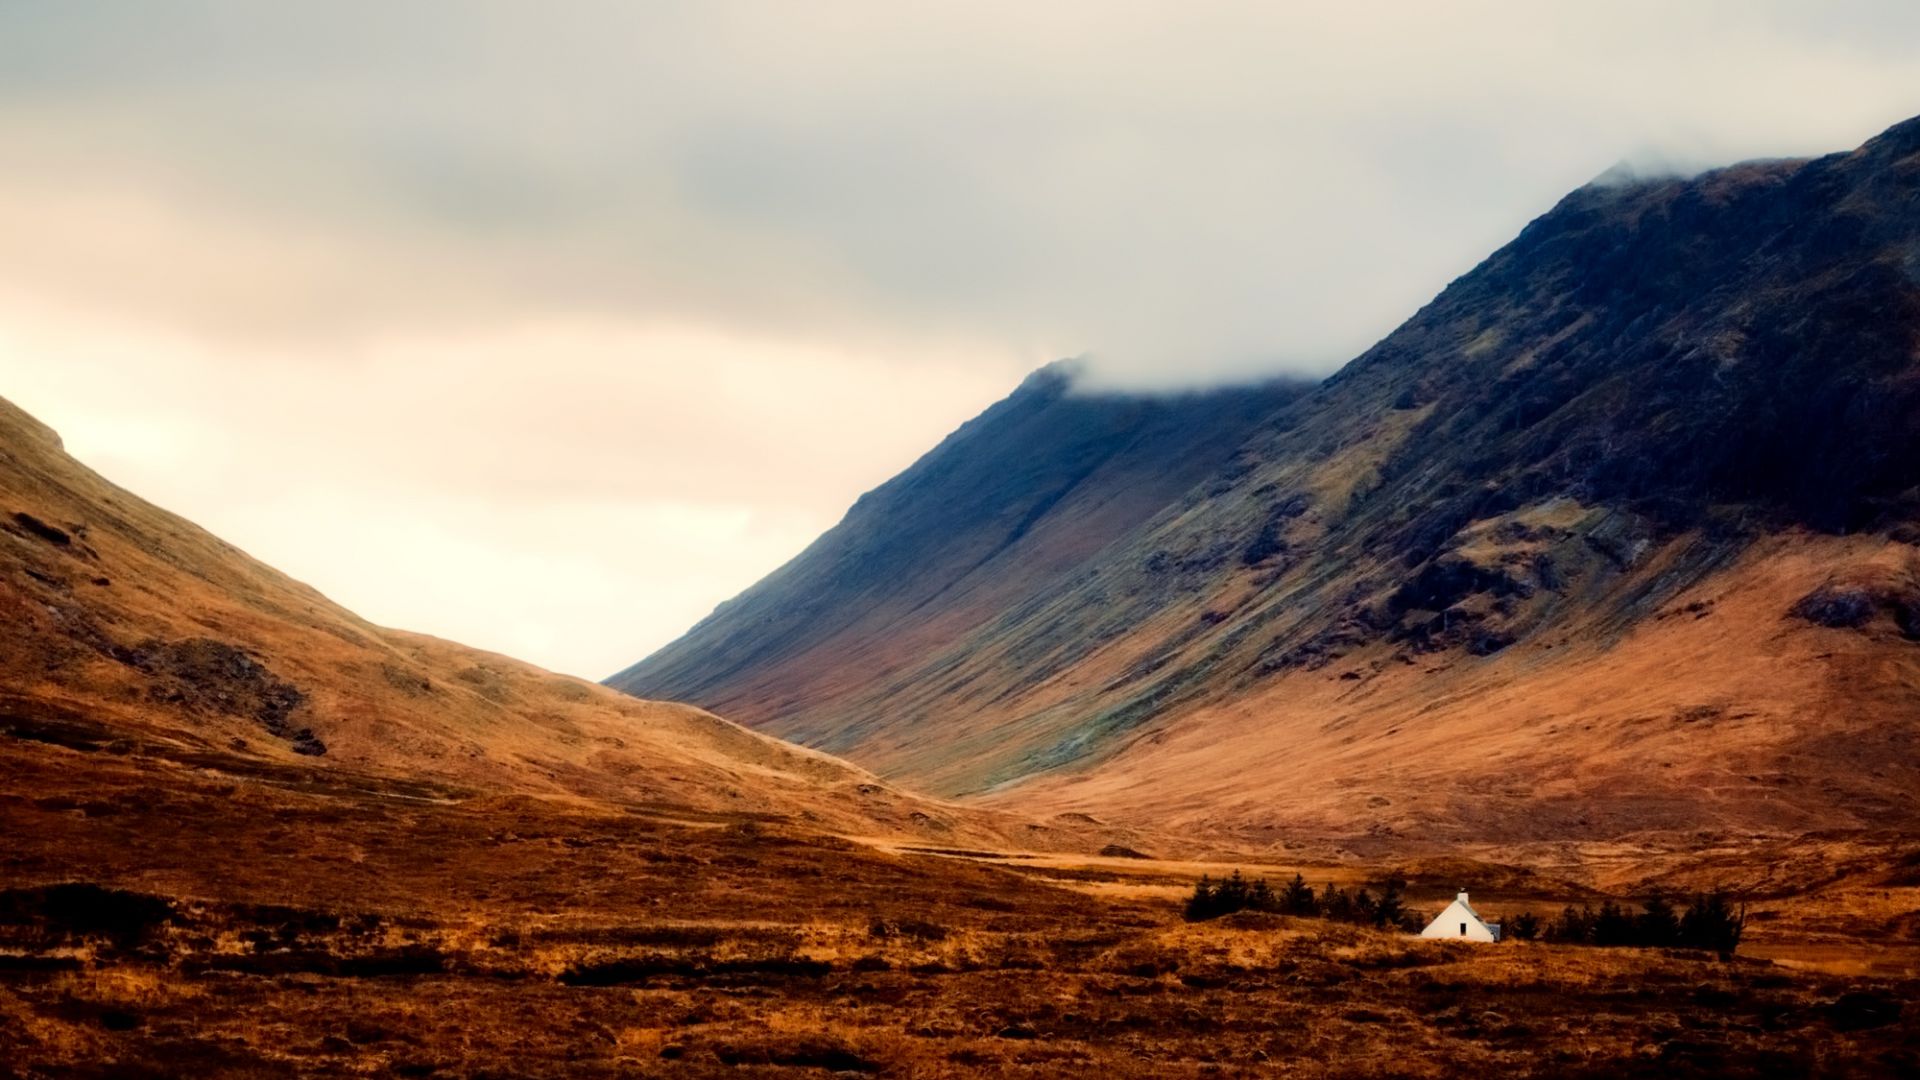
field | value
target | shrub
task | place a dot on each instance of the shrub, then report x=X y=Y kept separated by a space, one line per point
x=82 y=910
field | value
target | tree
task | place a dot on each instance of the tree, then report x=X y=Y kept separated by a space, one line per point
x=1212 y=899
x=1573 y=927
x=1390 y=908
x=1202 y=904
x=1524 y=926
x=1712 y=923
x=1658 y=925
x=1298 y=899
x=1231 y=896
x=1613 y=926
x=1338 y=906
x=1363 y=906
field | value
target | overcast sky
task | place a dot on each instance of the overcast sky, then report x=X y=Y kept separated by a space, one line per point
x=547 y=326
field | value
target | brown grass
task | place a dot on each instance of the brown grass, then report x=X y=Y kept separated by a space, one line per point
x=96 y=583
x=1718 y=722
x=496 y=871
x=332 y=930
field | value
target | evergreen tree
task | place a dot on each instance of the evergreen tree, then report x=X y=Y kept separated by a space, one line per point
x=1232 y=895
x=1613 y=926
x=1298 y=899
x=1712 y=923
x=1212 y=899
x=1363 y=906
x=1338 y=906
x=1524 y=927
x=1390 y=908
x=1573 y=927
x=1201 y=905
x=1658 y=925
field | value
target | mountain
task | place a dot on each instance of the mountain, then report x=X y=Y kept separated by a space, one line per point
x=248 y=834
x=1009 y=506
x=130 y=636
x=1615 y=537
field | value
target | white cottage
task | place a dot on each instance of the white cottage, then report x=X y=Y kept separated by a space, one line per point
x=1461 y=923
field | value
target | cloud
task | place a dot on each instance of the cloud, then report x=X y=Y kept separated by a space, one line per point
x=1180 y=182
x=406 y=261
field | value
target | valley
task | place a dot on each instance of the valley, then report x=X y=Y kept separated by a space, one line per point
x=158 y=921
x=1598 y=578
x=247 y=834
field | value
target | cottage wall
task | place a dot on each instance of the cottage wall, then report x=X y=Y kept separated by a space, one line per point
x=1460 y=923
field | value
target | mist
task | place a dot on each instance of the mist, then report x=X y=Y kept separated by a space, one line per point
x=1212 y=189
x=603 y=251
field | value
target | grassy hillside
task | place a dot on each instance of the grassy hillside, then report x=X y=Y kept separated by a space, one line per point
x=125 y=630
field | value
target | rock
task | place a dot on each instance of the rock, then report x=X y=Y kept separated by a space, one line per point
x=1853 y=606
x=1488 y=642
x=1450 y=579
x=35 y=527
x=306 y=742
x=206 y=675
x=1837 y=607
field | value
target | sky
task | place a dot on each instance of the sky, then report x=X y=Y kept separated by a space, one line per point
x=545 y=327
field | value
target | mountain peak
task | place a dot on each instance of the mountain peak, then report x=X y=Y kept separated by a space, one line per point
x=1056 y=376
x=1645 y=428
x=1898 y=142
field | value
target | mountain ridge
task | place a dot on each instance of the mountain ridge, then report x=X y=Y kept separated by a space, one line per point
x=866 y=584
x=1615 y=411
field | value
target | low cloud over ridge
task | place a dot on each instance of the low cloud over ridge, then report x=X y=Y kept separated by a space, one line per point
x=1186 y=185
x=572 y=237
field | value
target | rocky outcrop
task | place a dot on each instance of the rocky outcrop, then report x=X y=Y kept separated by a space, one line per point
x=206 y=675
x=1856 y=606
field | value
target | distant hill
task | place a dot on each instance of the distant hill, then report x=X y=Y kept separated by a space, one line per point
x=1616 y=536
x=128 y=635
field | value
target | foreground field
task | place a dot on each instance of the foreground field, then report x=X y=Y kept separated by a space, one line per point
x=322 y=925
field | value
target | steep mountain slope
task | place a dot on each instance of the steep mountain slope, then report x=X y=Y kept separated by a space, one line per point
x=127 y=633
x=1005 y=508
x=1614 y=535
